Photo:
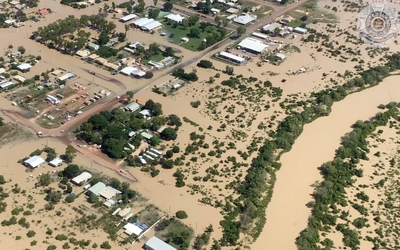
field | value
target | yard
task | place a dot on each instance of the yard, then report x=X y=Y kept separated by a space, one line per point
x=177 y=32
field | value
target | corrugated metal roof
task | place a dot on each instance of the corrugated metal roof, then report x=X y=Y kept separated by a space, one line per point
x=97 y=188
x=156 y=244
x=253 y=44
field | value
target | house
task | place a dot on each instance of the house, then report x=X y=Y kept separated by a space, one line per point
x=34 y=161
x=232 y=10
x=16 y=53
x=96 y=188
x=93 y=46
x=270 y=28
x=19 y=78
x=280 y=56
x=83 y=53
x=253 y=45
x=146 y=135
x=135 y=45
x=109 y=203
x=127 y=71
x=84 y=177
x=24 y=67
x=43 y=12
x=174 y=17
x=215 y=11
x=56 y=162
x=146 y=114
x=124 y=212
x=245 y=19
x=155 y=243
x=93 y=57
x=109 y=192
x=65 y=77
x=127 y=18
x=132 y=107
x=132 y=134
x=131 y=228
x=5 y=84
x=56 y=72
x=13 y=3
x=300 y=30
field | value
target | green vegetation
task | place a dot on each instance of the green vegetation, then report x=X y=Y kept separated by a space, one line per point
x=180 y=73
x=175 y=233
x=256 y=190
x=201 y=35
x=205 y=64
x=111 y=128
x=338 y=174
x=181 y=214
x=55 y=35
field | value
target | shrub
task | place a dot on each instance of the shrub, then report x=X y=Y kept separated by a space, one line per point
x=61 y=237
x=51 y=247
x=31 y=233
x=205 y=64
x=105 y=245
x=181 y=214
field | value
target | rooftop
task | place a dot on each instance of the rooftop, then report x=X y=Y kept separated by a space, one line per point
x=253 y=45
x=34 y=161
x=97 y=188
x=157 y=244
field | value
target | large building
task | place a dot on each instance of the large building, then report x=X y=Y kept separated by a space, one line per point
x=231 y=57
x=127 y=18
x=245 y=19
x=34 y=161
x=155 y=243
x=253 y=45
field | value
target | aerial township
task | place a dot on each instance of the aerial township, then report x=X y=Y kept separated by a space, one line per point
x=191 y=124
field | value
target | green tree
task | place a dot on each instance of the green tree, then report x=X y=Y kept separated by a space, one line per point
x=194 y=32
x=71 y=171
x=229 y=70
x=155 y=108
x=241 y=30
x=193 y=19
x=168 y=134
x=44 y=180
x=2 y=180
x=169 y=52
x=205 y=64
x=21 y=49
x=153 y=13
x=69 y=188
x=168 y=6
x=181 y=214
x=130 y=95
x=93 y=199
x=70 y=153
x=114 y=148
x=105 y=245
x=70 y=198
x=30 y=234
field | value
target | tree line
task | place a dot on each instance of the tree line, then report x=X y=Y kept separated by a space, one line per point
x=255 y=191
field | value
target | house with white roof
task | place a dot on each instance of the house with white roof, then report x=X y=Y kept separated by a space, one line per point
x=56 y=162
x=175 y=18
x=84 y=177
x=132 y=107
x=131 y=228
x=245 y=19
x=24 y=67
x=34 y=162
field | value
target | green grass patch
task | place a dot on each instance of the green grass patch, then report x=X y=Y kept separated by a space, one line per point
x=155 y=58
